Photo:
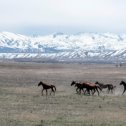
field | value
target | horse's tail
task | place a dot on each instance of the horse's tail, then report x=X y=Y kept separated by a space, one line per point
x=54 y=87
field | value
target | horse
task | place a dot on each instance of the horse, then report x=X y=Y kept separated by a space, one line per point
x=109 y=87
x=124 y=84
x=92 y=86
x=88 y=86
x=46 y=87
x=78 y=85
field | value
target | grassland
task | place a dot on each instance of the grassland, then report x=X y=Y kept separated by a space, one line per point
x=21 y=103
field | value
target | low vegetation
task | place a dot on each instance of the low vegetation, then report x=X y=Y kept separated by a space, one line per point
x=21 y=103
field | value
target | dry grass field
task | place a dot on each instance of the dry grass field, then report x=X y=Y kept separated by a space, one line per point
x=21 y=103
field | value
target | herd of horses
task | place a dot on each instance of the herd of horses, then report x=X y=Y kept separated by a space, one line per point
x=91 y=88
x=85 y=87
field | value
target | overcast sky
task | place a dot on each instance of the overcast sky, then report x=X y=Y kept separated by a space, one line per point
x=68 y=16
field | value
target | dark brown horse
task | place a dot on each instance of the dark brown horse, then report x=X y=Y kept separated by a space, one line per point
x=109 y=87
x=88 y=86
x=124 y=84
x=79 y=86
x=92 y=86
x=46 y=87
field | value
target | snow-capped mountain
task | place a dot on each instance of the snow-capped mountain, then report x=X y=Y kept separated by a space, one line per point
x=59 y=46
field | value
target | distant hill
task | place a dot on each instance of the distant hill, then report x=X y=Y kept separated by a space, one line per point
x=63 y=47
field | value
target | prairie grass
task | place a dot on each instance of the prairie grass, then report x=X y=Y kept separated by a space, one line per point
x=21 y=103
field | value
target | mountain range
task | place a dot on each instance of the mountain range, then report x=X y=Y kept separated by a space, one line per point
x=64 y=47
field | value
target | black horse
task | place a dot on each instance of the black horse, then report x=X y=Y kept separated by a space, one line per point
x=124 y=84
x=46 y=87
x=109 y=87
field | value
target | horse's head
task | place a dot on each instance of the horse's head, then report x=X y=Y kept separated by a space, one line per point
x=40 y=83
x=122 y=82
x=73 y=83
x=96 y=82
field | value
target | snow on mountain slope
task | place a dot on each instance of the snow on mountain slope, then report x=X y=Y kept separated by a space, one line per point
x=61 y=46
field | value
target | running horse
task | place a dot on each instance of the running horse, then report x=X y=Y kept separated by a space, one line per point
x=88 y=86
x=46 y=87
x=79 y=86
x=109 y=87
x=92 y=87
x=124 y=84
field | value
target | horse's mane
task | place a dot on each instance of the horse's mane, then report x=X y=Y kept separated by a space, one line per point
x=123 y=81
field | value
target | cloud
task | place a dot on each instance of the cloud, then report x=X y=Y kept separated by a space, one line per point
x=98 y=14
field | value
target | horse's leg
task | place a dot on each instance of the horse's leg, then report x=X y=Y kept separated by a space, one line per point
x=123 y=91
x=52 y=90
x=111 y=90
x=46 y=92
x=90 y=91
x=87 y=91
x=77 y=90
x=83 y=90
x=97 y=90
x=108 y=90
x=93 y=91
x=80 y=90
x=42 y=92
